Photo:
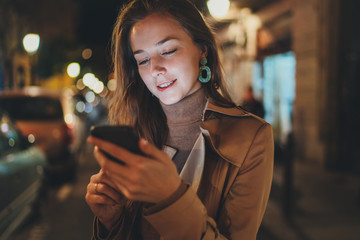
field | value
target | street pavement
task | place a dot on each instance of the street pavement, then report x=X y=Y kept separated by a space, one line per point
x=326 y=205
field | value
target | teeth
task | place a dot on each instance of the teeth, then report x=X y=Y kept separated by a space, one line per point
x=165 y=85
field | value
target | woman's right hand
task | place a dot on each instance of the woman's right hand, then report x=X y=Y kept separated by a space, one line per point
x=105 y=202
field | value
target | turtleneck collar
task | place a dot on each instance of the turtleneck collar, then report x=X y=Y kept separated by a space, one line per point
x=188 y=110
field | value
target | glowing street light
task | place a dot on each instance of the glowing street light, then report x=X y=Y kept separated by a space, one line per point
x=73 y=69
x=31 y=42
x=218 y=8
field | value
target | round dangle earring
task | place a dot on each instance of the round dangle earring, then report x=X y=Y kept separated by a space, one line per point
x=205 y=68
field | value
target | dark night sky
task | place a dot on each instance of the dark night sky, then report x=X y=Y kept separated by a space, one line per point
x=94 y=30
x=96 y=20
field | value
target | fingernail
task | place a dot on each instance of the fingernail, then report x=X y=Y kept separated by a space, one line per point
x=144 y=141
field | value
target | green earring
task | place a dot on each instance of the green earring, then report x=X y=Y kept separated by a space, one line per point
x=205 y=68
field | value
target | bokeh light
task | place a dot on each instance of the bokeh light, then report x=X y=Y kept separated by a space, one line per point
x=73 y=69
x=86 y=53
x=31 y=42
x=218 y=8
x=90 y=96
x=111 y=85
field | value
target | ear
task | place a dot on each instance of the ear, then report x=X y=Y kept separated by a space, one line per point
x=204 y=51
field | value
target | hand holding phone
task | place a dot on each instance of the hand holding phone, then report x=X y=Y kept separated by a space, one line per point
x=121 y=135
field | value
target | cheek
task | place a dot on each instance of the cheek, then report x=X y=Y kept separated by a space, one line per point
x=144 y=77
x=193 y=72
x=147 y=81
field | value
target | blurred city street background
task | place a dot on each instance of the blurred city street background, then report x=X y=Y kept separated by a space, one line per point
x=296 y=60
x=326 y=206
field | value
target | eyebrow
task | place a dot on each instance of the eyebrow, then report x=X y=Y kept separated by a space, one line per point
x=157 y=44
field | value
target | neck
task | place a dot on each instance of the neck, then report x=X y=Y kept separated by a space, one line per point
x=188 y=110
x=183 y=119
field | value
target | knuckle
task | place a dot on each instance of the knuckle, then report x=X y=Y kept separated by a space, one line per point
x=92 y=178
x=142 y=166
x=87 y=197
x=127 y=194
x=100 y=187
x=130 y=195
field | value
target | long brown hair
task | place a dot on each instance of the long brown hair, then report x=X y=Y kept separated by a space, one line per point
x=132 y=102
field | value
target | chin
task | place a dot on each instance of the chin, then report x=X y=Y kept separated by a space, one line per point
x=169 y=101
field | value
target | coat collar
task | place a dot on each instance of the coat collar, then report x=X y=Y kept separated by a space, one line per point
x=215 y=127
x=230 y=111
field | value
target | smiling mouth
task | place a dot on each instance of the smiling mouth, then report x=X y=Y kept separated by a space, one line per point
x=165 y=86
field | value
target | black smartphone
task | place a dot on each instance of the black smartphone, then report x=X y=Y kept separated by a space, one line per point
x=122 y=135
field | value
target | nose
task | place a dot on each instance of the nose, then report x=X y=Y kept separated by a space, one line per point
x=157 y=67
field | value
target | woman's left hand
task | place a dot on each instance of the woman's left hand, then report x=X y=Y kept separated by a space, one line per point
x=151 y=178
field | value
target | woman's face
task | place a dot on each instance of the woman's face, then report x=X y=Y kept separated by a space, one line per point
x=167 y=58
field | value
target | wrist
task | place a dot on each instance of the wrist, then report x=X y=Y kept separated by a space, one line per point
x=152 y=208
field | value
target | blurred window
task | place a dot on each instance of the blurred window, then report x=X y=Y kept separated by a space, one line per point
x=32 y=108
x=274 y=78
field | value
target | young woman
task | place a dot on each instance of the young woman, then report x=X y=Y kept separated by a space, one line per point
x=207 y=166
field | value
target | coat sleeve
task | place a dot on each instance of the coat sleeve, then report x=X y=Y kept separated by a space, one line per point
x=241 y=213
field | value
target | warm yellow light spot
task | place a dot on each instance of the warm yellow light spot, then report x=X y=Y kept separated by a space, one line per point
x=111 y=84
x=86 y=53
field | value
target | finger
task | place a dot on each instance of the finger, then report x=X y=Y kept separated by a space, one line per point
x=111 y=166
x=126 y=175
x=132 y=187
x=96 y=178
x=92 y=188
x=99 y=199
x=152 y=151
x=120 y=186
x=99 y=155
x=101 y=183
x=104 y=189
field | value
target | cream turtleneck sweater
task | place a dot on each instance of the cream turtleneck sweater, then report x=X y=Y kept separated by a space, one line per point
x=183 y=119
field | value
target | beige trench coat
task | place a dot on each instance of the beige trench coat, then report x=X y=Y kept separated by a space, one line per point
x=235 y=185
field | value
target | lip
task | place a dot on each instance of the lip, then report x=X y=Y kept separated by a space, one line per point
x=161 y=89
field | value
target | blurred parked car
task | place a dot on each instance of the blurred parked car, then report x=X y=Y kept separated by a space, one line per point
x=48 y=115
x=21 y=175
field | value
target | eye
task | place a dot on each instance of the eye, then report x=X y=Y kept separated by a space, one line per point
x=169 y=52
x=142 y=62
